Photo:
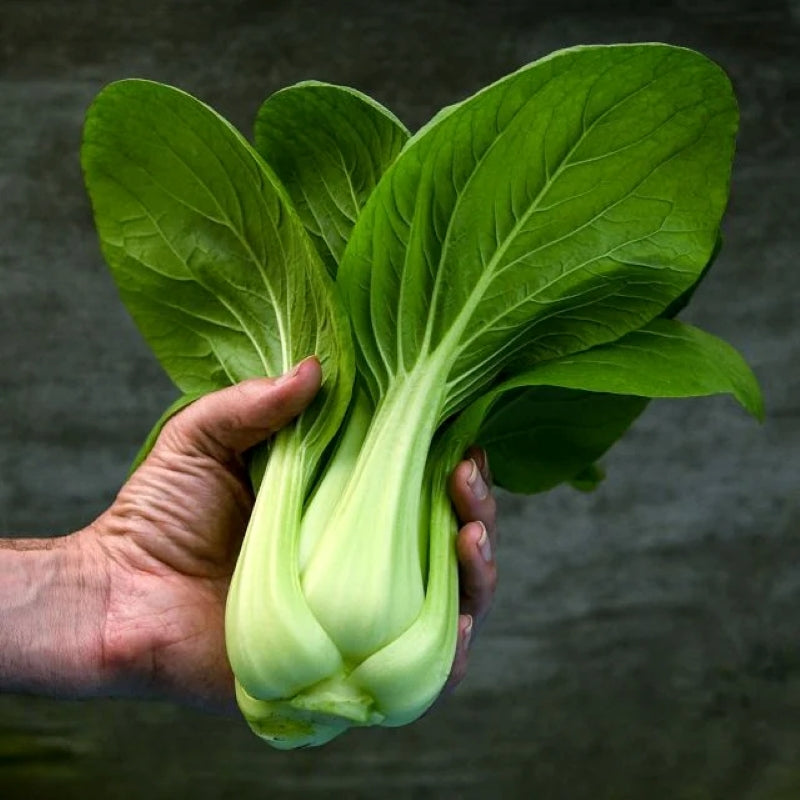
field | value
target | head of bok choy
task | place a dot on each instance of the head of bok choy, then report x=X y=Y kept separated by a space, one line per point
x=508 y=276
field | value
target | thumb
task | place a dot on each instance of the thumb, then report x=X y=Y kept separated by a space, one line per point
x=224 y=424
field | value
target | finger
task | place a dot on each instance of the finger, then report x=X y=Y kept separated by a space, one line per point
x=477 y=571
x=481 y=458
x=460 y=662
x=228 y=422
x=472 y=497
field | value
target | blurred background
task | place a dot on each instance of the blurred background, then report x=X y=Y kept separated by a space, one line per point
x=645 y=641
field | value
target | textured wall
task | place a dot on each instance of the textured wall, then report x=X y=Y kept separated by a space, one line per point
x=645 y=641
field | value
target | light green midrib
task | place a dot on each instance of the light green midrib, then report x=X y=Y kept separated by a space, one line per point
x=194 y=331
x=225 y=222
x=375 y=164
x=608 y=254
x=243 y=328
x=550 y=179
x=248 y=165
x=419 y=209
x=489 y=275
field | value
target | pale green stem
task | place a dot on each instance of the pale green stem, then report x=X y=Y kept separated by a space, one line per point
x=316 y=519
x=364 y=580
x=275 y=645
x=405 y=677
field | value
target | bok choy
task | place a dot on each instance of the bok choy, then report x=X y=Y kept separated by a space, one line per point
x=508 y=275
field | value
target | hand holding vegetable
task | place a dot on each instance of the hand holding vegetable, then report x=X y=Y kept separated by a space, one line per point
x=135 y=602
x=170 y=541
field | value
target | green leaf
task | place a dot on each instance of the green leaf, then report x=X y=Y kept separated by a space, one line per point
x=171 y=410
x=537 y=438
x=547 y=425
x=675 y=307
x=562 y=207
x=208 y=254
x=329 y=145
x=557 y=443
x=666 y=358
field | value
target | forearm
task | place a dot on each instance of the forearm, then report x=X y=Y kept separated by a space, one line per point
x=51 y=618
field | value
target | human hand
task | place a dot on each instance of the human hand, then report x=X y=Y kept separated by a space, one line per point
x=168 y=544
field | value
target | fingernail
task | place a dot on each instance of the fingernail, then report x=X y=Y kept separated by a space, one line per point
x=466 y=634
x=484 y=545
x=292 y=373
x=476 y=482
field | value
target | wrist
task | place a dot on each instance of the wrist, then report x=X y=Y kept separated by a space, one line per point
x=122 y=650
x=135 y=631
x=53 y=602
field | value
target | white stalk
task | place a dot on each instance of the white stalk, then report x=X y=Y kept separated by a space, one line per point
x=275 y=644
x=316 y=518
x=364 y=580
x=405 y=677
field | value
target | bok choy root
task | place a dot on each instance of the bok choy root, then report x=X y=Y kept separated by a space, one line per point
x=508 y=275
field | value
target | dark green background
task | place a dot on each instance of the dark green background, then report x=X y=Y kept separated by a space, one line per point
x=645 y=641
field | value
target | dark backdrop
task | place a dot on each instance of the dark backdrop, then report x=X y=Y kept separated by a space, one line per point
x=645 y=641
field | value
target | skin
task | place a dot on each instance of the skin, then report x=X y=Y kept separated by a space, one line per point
x=134 y=603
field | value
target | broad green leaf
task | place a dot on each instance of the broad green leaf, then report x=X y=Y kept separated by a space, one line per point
x=546 y=425
x=539 y=437
x=560 y=208
x=208 y=254
x=171 y=410
x=666 y=358
x=512 y=416
x=511 y=421
x=329 y=145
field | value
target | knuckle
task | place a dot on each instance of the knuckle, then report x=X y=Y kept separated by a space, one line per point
x=190 y=432
x=176 y=433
